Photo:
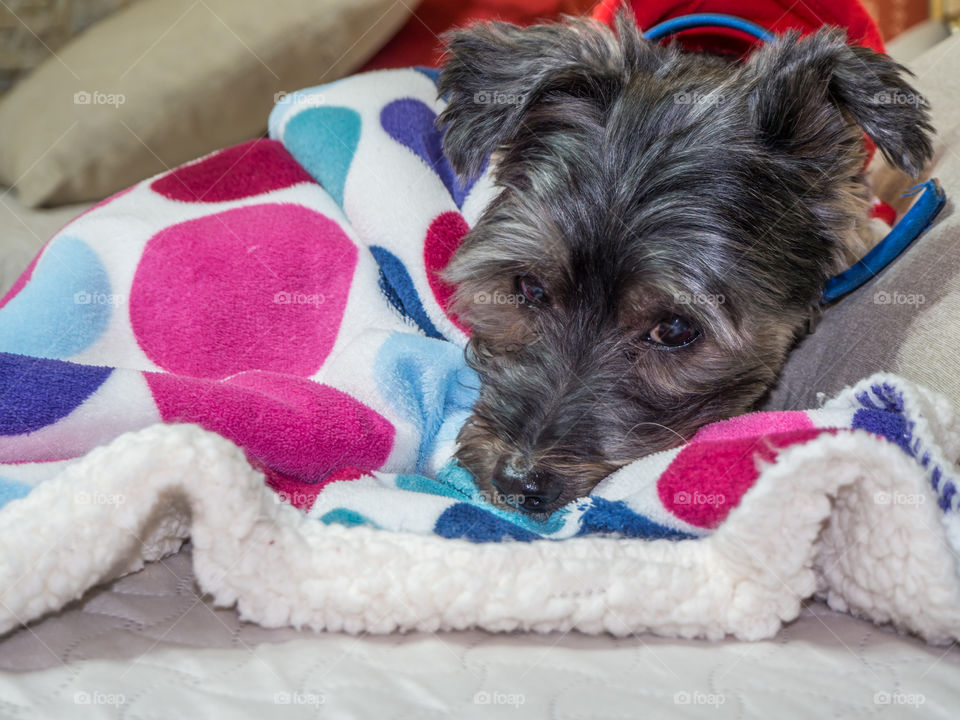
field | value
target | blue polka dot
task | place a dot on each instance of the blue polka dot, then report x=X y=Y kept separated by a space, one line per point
x=472 y=523
x=324 y=140
x=432 y=73
x=65 y=306
x=605 y=516
x=36 y=392
x=946 y=496
x=396 y=284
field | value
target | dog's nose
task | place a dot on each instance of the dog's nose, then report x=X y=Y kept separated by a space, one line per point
x=530 y=488
x=540 y=490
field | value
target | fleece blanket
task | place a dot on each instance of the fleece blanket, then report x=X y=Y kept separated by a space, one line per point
x=254 y=350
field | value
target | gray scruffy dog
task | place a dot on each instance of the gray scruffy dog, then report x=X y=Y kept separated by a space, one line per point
x=664 y=224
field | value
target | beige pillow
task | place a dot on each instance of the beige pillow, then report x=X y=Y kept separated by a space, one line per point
x=165 y=81
x=31 y=29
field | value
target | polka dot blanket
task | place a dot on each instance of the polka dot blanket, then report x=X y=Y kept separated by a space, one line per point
x=261 y=336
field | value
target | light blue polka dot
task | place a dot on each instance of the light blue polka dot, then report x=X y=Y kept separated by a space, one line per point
x=323 y=140
x=428 y=382
x=65 y=306
x=12 y=490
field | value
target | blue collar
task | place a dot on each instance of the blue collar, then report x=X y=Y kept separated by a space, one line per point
x=918 y=218
x=698 y=20
x=911 y=225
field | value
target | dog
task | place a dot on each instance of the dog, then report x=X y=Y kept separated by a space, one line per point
x=664 y=223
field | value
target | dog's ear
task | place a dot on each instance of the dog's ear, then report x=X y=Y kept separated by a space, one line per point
x=801 y=83
x=494 y=72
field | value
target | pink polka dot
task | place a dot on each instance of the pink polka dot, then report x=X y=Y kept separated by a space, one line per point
x=251 y=168
x=708 y=478
x=253 y=288
x=299 y=493
x=443 y=238
x=295 y=427
x=753 y=425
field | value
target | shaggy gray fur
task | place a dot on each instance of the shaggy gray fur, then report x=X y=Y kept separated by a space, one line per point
x=648 y=193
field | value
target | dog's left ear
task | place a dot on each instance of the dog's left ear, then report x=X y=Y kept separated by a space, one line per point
x=801 y=83
x=494 y=72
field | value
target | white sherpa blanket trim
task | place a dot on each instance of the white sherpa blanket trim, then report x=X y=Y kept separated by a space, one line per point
x=811 y=523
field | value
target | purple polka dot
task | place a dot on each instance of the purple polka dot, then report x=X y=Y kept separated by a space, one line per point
x=412 y=124
x=36 y=392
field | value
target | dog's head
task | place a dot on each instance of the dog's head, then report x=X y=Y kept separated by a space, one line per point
x=664 y=224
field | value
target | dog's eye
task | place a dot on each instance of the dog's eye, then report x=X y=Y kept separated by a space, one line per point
x=531 y=289
x=672 y=332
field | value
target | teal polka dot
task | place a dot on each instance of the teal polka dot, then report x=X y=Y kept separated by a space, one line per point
x=64 y=307
x=324 y=140
x=343 y=516
x=421 y=484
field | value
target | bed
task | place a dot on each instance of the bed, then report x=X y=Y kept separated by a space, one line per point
x=150 y=645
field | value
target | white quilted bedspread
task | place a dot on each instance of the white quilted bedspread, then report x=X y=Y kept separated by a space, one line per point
x=148 y=647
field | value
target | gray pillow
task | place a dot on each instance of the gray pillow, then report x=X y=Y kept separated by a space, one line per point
x=907 y=319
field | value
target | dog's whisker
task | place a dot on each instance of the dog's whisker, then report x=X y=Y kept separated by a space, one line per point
x=659 y=425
